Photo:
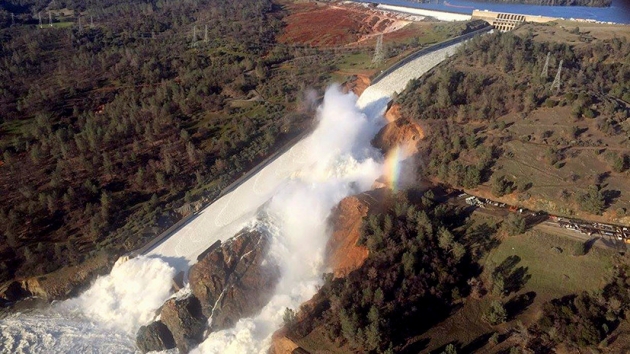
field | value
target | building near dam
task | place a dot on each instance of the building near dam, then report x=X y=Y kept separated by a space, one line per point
x=507 y=21
x=500 y=20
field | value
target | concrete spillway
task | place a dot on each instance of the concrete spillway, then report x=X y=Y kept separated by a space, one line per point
x=296 y=188
x=224 y=218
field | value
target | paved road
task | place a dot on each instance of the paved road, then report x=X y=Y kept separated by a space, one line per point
x=547 y=226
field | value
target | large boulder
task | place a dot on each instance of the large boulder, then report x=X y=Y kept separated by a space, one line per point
x=68 y=281
x=184 y=320
x=234 y=281
x=230 y=281
x=155 y=337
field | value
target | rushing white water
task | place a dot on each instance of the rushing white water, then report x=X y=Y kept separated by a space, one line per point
x=342 y=162
x=303 y=186
x=103 y=319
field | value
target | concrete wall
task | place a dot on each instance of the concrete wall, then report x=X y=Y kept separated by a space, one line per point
x=507 y=21
x=439 y=15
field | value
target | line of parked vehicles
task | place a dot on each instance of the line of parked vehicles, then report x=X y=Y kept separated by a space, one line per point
x=621 y=233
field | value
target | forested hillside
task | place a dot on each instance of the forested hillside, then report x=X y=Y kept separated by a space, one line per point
x=416 y=271
x=429 y=286
x=116 y=115
x=495 y=121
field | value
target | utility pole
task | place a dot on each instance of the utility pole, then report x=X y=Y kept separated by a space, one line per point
x=80 y=26
x=557 y=82
x=91 y=22
x=205 y=35
x=49 y=19
x=545 y=70
x=12 y=19
x=194 y=38
x=378 y=51
x=39 y=15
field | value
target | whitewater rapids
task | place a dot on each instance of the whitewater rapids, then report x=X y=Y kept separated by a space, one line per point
x=296 y=193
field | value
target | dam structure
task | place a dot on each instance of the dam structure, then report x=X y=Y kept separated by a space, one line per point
x=507 y=21
x=106 y=318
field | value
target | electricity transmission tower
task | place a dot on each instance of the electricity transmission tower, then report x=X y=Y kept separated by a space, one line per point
x=545 y=70
x=557 y=82
x=379 y=56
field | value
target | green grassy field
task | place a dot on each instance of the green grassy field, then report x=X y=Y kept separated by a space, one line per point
x=552 y=275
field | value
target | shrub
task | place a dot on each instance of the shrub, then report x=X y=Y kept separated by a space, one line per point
x=288 y=317
x=580 y=249
x=592 y=201
x=500 y=186
x=494 y=338
x=450 y=349
x=514 y=224
x=496 y=313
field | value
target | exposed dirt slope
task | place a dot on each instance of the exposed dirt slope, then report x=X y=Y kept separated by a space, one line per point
x=357 y=84
x=330 y=26
x=280 y=344
x=343 y=253
x=398 y=132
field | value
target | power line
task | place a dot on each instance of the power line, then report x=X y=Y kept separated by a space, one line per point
x=378 y=51
x=557 y=82
x=545 y=70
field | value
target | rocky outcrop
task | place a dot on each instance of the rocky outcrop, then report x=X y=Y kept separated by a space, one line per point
x=155 y=337
x=60 y=284
x=232 y=281
x=12 y=291
x=184 y=320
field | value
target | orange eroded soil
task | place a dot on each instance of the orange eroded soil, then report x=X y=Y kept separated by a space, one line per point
x=330 y=26
x=343 y=253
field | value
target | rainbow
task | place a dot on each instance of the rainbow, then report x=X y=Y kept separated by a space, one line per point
x=393 y=162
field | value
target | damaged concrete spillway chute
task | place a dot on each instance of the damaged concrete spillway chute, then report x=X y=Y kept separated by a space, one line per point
x=289 y=200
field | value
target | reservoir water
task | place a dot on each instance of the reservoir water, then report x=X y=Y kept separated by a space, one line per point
x=618 y=12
